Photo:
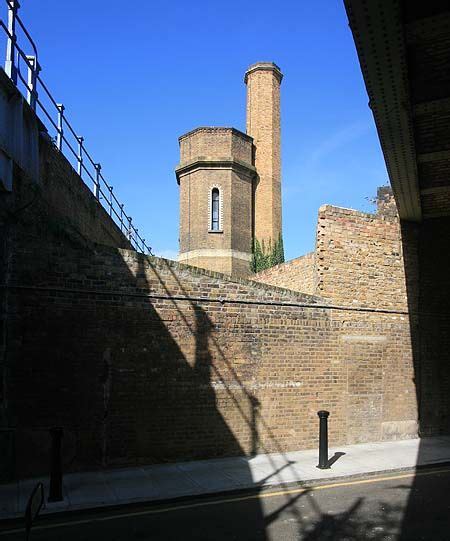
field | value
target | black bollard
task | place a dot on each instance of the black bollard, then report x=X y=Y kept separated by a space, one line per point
x=55 y=491
x=323 y=439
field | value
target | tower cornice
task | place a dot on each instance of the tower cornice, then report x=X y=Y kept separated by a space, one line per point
x=203 y=162
x=264 y=66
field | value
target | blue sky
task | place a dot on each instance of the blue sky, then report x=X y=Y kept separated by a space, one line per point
x=135 y=75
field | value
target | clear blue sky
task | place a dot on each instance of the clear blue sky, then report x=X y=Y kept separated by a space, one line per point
x=135 y=75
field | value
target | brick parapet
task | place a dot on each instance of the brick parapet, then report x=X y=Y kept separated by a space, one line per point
x=359 y=258
x=215 y=143
x=299 y=274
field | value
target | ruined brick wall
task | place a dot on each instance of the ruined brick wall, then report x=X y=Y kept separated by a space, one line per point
x=297 y=275
x=359 y=258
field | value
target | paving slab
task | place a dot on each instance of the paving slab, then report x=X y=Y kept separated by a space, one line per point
x=88 y=489
x=167 y=481
x=172 y=482
x=131 y=484
x=9 y=499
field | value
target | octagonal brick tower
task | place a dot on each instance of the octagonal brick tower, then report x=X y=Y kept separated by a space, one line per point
x=215 y=175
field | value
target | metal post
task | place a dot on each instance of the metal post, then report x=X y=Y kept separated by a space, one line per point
x=110 y=200
x=129 y=229
x=33 y=70
x=60 y=134
x=80 y=155
x=10 y=66
x=323 y=439
x=55 y=491
x=143 y=245
x=121 y=217
x=98 y=168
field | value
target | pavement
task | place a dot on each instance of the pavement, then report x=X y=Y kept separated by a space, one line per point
x=167 y=482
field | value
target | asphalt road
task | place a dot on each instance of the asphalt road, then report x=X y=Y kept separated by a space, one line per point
x=400 y=506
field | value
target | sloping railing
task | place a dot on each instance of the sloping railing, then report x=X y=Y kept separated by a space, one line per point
x=66 y=138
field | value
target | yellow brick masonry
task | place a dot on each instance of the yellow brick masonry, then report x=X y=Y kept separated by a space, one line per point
x=263 y=125
x=358 y=260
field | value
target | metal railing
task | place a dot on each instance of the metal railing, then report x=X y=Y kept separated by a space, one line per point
x=66 y=138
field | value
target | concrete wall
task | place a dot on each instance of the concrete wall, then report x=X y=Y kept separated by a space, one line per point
x=43 y=202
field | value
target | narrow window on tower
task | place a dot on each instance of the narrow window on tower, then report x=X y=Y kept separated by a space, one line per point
x=215 y=209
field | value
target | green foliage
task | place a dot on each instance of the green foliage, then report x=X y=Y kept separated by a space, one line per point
x=266 y=256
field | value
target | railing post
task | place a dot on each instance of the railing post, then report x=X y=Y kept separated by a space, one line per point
x=55 y=491
x=323 y=439
x=80 y=155
x=10 y=65
x=121 y=217
x=110 y=200
x=129 y=230
x=143 y=245
x=98 y=168
x=60 y=134
x=33 y=70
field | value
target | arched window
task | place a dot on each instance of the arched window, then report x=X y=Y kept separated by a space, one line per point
x=215 y=209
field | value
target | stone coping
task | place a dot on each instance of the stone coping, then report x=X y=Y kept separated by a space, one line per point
x=218 y=129
x=160 y=262
x=354 y=212
x=264 y=66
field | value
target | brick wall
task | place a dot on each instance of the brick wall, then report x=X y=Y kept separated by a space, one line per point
x=297 y=275
x=144 y=360
x=215 y=143
x=359 y=258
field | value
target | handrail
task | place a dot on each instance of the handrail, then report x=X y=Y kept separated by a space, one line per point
x=103 y=191
x=12 y=5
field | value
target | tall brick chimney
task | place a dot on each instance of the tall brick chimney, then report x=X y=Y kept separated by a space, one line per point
x=263 y=81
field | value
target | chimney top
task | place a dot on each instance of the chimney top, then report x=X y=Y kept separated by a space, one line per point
x=264 y=66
